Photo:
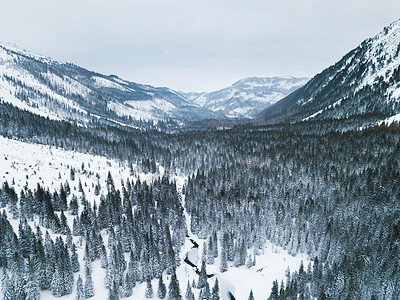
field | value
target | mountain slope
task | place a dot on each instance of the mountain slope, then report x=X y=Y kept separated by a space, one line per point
x=247 y=97
x=364 y=84
x=66 y=91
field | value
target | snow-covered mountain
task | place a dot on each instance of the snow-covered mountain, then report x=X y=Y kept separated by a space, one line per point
x=364 y=84
x=247 y=97
x=66 y=91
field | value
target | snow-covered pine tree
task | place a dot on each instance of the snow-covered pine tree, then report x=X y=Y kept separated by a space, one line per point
x=162 y=289
x=149 y=289
x=206 y=294
x=189 y=293
x=210 y=251
x=174 y=292
x=80 y=294
x=215 y=290
x=202 y=276
x=89 y=286
x=127 y=287
x=32 y=288
x=74 y=259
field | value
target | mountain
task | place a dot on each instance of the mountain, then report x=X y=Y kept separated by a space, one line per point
x=68 y=92
x=247 y=97
x=364 y=84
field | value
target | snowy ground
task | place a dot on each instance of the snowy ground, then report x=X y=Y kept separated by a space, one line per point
x=23 y=164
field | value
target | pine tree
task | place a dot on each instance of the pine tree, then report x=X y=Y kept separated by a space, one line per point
x=80 y=294
x=113 y=293
x=174 y=292
x=73 y=206
x=251 y=297
x=7 y=286
x=31 y=287
x=202 y=276
x=162 y=289
x=206 y=292
x=249 y=262
x=204 y=252
x=210 y=252
x=127 y=287
x=189 y=293
x=89 y=286
x=149 y=289
x=322 y=294
x=223 y=267
x=57 y=284
x=215 y=244
x=32 y=290
x=274 y=291
x=72 y=174
x=74 y=259
x=215 y=290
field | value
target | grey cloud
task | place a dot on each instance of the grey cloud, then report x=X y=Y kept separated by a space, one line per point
x=195 y=45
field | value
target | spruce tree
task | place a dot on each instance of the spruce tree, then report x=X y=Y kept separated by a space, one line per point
x=274 y=291
x=174 y=292
x=32 y=289
x=223 y=267
x=113 y=293
x=126 y=287
x=215 y=290
x=251 y=297
x=80 y=294
x=189 y=293
x=162 y=289
x=206 y=292
x=89 y=286
x=74 y=259
x=202 y=276
x=57 y=284
x=210 y=251
x=149 y=289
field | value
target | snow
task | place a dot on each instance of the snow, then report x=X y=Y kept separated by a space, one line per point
x=254 y=92
x=142 y=109
x=313 y=115
x=333 y=105
x=388 y=41
x=105 y=83
x=390 y=120
x=23 y=164
x=36 y=105
x=240 y=111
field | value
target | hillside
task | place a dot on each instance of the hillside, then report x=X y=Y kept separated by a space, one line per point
x=247 y=97
x=68 y=92
x=364 y=84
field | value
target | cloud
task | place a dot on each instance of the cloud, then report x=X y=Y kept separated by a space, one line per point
x=195 y=45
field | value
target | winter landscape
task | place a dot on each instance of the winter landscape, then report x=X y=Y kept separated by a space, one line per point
x=269 y=187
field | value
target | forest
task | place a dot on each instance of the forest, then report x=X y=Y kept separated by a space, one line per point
x=321 y=188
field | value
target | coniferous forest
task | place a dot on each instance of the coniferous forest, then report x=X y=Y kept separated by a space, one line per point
x=328 y=191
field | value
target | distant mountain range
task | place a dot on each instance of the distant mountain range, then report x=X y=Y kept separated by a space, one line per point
x=247 y=97
x=364 y=84
x=66 y=91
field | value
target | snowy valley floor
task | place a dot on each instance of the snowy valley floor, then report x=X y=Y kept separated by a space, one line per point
x=23 y=164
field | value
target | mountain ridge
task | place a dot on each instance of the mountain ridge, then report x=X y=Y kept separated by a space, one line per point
x=67 y=91
x=248 y=96
x=364 y=83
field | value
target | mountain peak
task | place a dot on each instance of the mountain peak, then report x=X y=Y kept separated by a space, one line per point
x=248 y=96
x=68 y=92
x=364 y=83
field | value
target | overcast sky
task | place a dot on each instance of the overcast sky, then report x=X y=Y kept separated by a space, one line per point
x=200 y=45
